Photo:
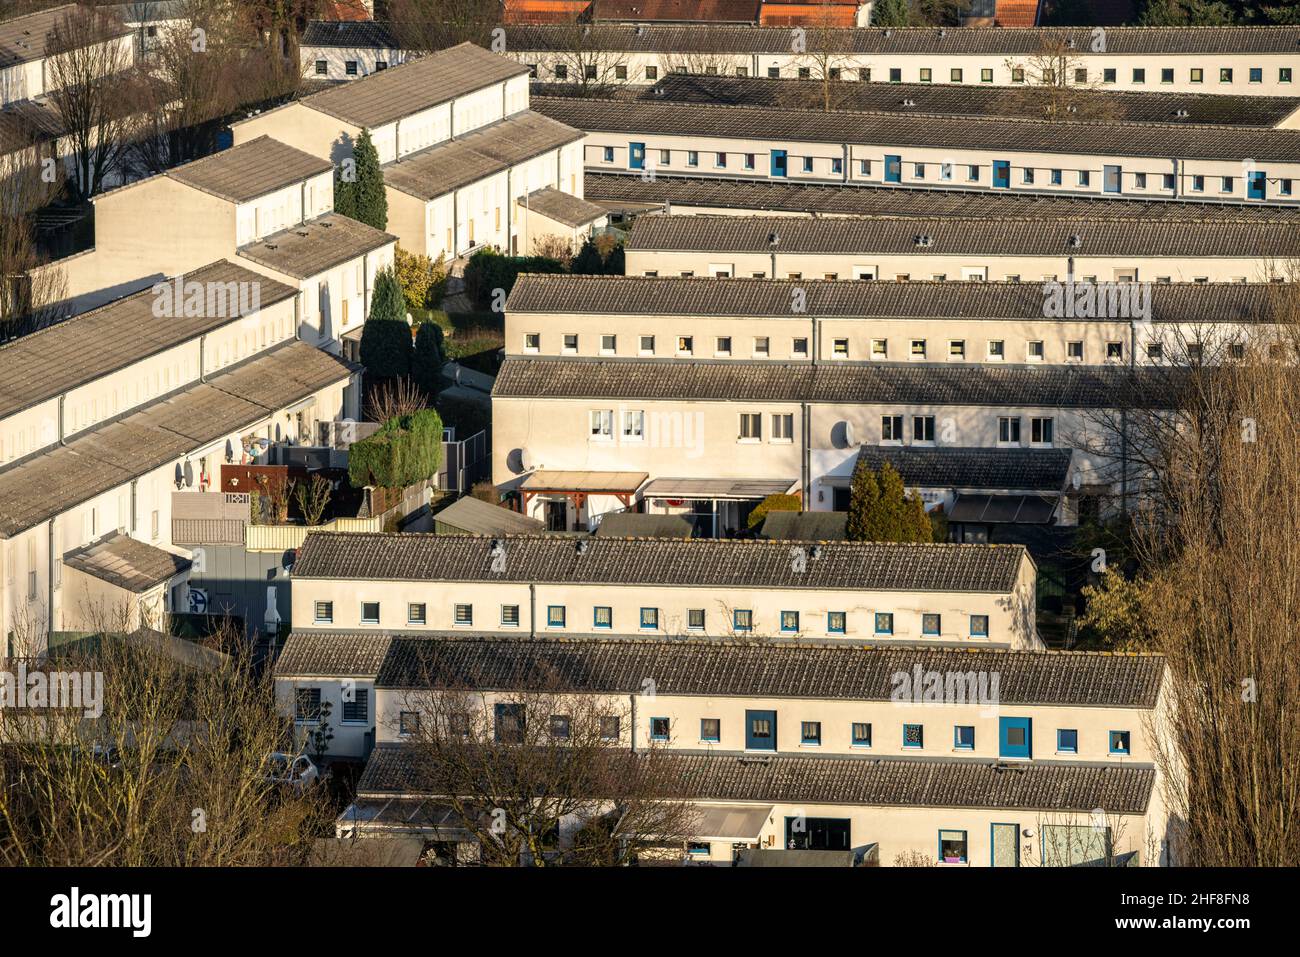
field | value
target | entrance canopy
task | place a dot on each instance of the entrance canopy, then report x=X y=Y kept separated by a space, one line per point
x=730 y=822
x=717 y=489
x=1004 y=509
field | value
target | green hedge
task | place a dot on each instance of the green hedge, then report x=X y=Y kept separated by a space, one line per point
x=407 y=449
x=488 y=270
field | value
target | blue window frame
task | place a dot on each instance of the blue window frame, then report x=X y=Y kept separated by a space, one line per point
x=650 y=618
x=952 y=847
x=659 y=729
x=884 y=623
x=963 y=737
x=1056 y=177
x=807 y=164
x=837 y=165
x=913 y=736
x=835 y=622
x=930 y=624
x=861 y=734
x=789 y=621
x=555 y=616
x=742 y=619
x=1067 y=740
x=1198 y=184
x=609 y=154
x=1256 y=74
x=979 y=626
x=1085 y=177
x=602 y=616
x=711 y=729
x=810 y=732
x=1119 y=742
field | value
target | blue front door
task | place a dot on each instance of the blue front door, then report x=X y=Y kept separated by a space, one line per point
x=1015 y=738
x=1112 y=179
x=636 y=155
x=1001 y=173
x=778 y=163
x=760 y=730
x=893 y=169
x=1255 y=185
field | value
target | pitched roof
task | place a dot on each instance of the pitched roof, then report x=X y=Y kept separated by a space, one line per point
x=956 y=99
x=350 y=34
x=948 y=236
x=90 y=345
x=315 y=246
x=928 y=41
x=676 y=11
x=452 y=164
x=713 y=668
x=110 y=455
x=329 y=654
x=564 y=208
x=975 y=468
x=24 y=38
x=617 y=189
x=414 y=86
x=855 y=566
x=872 y=383
x=477 y=517
x=841 y=779
x=898 y=130
x=825 y=298
x=126 y=562
x=249 y=170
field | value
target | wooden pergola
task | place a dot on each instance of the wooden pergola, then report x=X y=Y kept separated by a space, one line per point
x=577 y=486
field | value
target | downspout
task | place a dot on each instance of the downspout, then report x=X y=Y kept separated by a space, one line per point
x=135 y=505
x=532 y=609
x=455 y=221
x=203 y=342
x=1178 y=180
x=365 y=286
x=805 y=426
x=510 y=207
x=844 y=173
x=632 y=730
x=63 y=440
x=49 y=637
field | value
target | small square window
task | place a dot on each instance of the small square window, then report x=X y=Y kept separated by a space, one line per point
x=650 y=618
x=648 y=345
x=603 y=616
x=1119 y=742
x=789 y=621
x=963 y=737
x=659 y=729
x=306 y=705
x=416 y=613
x=930 y=624
x=799 y=347
x=1225 y=74
x=695 y=619
x=324 y=612
x=1139 y=75
x=1108 y=75
x=810 y=732
x=358 y=708
x=408 y=722
x=979 y=626
x=351 y=67
x=321 y=68
x=609 y=727
x=464 y=615
x=913 y=736
x=1167 y=75
x=609 y=344
x=1074 y=350
x=1197 y=75
x=835 y=622
x=952 y=847
x=986 y=75
x=608 y=154
x=954 y=75
x=532 y=341
x=652 y=73
x=1067 y=740
x=884 y=623
x=370 y=612
x=1284 y=74
x=555 y=616
x=861 y=734
x=742 y=619
x=711 y=730
x=560 y=726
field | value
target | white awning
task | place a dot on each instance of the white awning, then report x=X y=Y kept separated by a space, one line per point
x=730 y=822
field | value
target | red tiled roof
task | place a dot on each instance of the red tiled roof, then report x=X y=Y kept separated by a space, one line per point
x=832 y=13
x=1016 y=13
x=679 y=11
x=344 y=11
x=544 y=11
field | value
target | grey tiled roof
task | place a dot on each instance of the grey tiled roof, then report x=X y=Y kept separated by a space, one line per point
x=978 y=468
x=315 y=246
x=469 y=514
x=615 y=189
x=414 y=86
x=761 y=670
x=250 y=170
x=860 y=566
x=328 y=654
x=641 y=525
x=564 y=208
x=135 y=444
x=847 y=779
x=126 y=562
x=24 y=38
x=452 y=164
x=350 y=34
x=1051 y=387
x=956 y=99
x=706 y=38
x=824 y=298
x=901 y=131
x=805 y=526
x=986 y=237
x=88 y=346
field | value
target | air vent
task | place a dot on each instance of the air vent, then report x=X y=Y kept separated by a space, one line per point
x=582 y=546
x=909 y=102
x=922 y=239
x=1182 y=114
x=1076 y=240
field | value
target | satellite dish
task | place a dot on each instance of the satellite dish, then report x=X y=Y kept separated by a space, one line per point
x=842 y=435
x=525 y=460
x=189 y=474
